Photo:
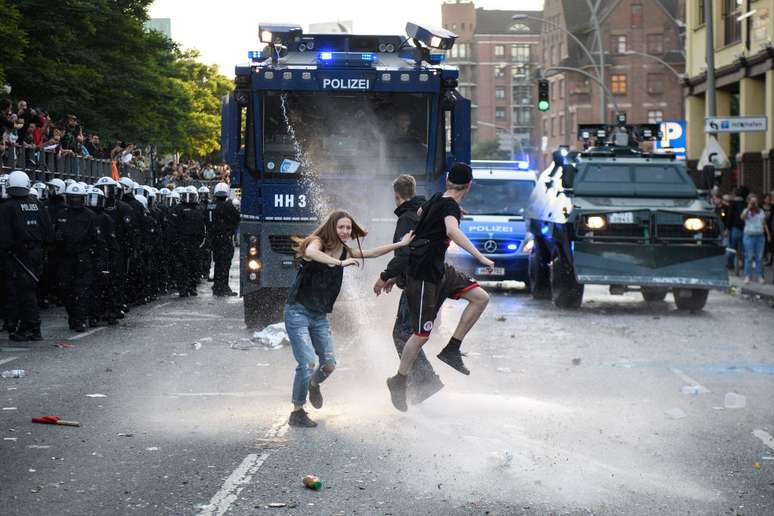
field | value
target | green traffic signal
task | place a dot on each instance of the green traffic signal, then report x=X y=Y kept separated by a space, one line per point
x=543 y=105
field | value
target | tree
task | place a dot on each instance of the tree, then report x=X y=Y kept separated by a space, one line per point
x=489 y=149
x=13 y=39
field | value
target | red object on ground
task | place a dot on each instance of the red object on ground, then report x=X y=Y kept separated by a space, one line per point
x=54 y=420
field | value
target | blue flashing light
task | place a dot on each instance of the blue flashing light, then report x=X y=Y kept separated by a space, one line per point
x=435 y=58
x=326 y=56
x=544 y=229
x=255 y=55
x=368 y=56
x=512 y=247
x=523 y=165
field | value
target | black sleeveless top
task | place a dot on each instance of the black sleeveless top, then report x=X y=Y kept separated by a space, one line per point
x=317 y=285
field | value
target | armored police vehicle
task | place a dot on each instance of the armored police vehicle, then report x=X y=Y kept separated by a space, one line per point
x=494 y=220
x=324 y=121
x=614 y=215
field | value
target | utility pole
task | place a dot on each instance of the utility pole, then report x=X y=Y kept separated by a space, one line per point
x=709 y=23
x=601 y=45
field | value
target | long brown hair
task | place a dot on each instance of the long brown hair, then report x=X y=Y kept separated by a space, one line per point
x=326 y=234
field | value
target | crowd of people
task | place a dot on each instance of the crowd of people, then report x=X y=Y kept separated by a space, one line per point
x=100 y=249
x=749 y=222
x=191 y=172
x=33 y=128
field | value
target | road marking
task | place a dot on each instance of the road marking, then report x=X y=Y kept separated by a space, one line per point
x=6 y=360
x=225 y=394
x=241 y=476
x=90 y=332
x=696 y=386
x=197 y=314
x=764 y=436
x=162 y=305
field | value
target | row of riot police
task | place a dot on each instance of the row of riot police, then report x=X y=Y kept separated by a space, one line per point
x=100 y=249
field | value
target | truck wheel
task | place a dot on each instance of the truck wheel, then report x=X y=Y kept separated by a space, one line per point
x=566 y=292
x=653 y=294
x=264 y=307
x=691 y=299
x=539 y=282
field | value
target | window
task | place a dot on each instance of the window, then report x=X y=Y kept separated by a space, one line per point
x=655 y=117
x=519 y=27
x=462 y=27
x=545 y=127
x=618 y=84
x=655 y=83
x=618 y=44
x=499 y=113
x=499 y=71
x=522 y=116
x=561 y=125
x=519 y=72
x=520 y=53
x=522 y=94
x=553 y=126
x=655 y=44
x=499 y=50
x=454 y=26
x=561 y=89
x=499 y=92
x=700 y=12
x=636 y=16
x=732 y=29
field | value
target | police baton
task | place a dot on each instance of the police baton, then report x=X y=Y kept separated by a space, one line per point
x=26 y=269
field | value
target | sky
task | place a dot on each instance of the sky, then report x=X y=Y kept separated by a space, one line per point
x=225 y=30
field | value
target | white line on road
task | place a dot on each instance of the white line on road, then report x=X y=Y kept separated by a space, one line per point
x=6 y=360
x=241 y=476
x=697 y=387
x=90 y=332
x=248 y=394
x=162 y=305
x=764 y=436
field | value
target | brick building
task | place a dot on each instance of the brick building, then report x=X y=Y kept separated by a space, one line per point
x=643 y=87
x=497 y=57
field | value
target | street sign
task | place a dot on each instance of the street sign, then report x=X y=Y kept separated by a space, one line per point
x=736 y=124
x=673 y=138
x=713 y=154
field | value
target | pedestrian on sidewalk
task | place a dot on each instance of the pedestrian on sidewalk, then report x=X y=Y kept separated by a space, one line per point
x=431 y=281
x=756 y=233
x=422 y=380
x=735 y=225
x=322 y=257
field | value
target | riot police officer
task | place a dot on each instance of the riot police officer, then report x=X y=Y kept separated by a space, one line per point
x=133 y=249
x=222 y=222
x=206 y=252
x=24 y=229
x=104 y=305
x=189 y=230
x=76 y=228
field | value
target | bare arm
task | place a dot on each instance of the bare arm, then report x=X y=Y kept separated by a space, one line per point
x=314 y=252
x=383 y=249
x=454 y=232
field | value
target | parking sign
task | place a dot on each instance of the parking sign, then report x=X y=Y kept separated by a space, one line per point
x=674 y=138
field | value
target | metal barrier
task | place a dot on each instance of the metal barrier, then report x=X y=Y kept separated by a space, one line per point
x=42 y=165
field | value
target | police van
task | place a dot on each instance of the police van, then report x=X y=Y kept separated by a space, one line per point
x=493 y=219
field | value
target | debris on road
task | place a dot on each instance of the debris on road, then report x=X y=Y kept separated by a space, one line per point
x=273 y=336
x=64 y=345
x=576 y=361
x=676 y=413
x=54 y=420
x=97 y=395
x=312 y=482
x=276 y=505
x=500 y=318
x=501 y=460
x=197 y=345
x=122 y=434
x=757 y=465
x=506 y=370
x=14 y=373
x=734 y=401
x=152 y=448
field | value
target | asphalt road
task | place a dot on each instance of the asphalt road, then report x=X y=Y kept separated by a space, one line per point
x=616 y=408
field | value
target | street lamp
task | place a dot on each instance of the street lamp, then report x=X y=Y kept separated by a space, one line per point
x=656 y=58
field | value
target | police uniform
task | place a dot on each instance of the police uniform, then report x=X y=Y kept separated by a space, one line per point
x=222 y=222
x=77 y=230
x=189 y=230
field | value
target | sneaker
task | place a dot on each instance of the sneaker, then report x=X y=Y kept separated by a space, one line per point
x=301 y=419
x=454 y=359
x=761 y=280
x=747 y=280
x=423 y=391
x=315 y=396
x=397 y=387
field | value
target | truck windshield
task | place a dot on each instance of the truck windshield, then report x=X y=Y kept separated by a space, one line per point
x=498 y=197
x=329 y=133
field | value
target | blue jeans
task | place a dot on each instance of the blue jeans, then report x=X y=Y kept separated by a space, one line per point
x=309 y=333
x=734 y=238
x=753 y=250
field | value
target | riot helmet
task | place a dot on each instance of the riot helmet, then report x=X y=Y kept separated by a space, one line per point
x=34 y=193
x=221 y=190
x=127 y=185
x=189 y=195
x=56 y=187
x=173 y=199
x=42 y=190
x=18 y=184
x=95 y=198
x=204 y=193
x=75 y=196
x=142 y=200
x=163 y=194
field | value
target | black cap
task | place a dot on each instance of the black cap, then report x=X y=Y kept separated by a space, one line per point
x=460 y=174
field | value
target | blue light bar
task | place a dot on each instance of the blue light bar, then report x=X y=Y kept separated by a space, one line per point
x=348 y=58
x=435 y=58
x=523 y=165
x=326 y=56
x=512 y=247
x=255 y=55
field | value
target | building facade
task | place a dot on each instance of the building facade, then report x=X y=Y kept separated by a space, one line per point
x=744 y=83
x=497 y=57
x=644 y=59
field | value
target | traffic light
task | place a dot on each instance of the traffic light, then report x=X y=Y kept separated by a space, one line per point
x=544 y=100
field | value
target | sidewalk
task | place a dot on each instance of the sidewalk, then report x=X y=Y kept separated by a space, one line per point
x=763 y=291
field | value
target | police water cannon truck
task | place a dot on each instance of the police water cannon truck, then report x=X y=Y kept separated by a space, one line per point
x=615 y=215
x=323 y=121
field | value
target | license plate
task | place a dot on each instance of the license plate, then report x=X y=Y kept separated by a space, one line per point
x=624 y=217
x=496 y=271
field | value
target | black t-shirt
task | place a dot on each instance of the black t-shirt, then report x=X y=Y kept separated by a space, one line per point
x=428 y=250
x=317 y=285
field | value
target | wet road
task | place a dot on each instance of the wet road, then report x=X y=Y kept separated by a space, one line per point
x=616 y=408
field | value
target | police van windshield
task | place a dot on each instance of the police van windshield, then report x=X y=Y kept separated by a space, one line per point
x=330 y=133
x=498 y=197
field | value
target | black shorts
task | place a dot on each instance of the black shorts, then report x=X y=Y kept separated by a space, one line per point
x=425 y=298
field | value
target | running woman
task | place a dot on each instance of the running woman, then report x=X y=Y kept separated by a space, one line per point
x=323 y=256
x=430 y=280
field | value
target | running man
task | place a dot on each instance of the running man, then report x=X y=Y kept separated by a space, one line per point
x=430 y=280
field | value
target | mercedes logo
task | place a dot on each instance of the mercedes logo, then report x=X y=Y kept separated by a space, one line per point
x=490 y=246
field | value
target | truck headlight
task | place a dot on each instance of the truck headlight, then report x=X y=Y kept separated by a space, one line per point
x=254 y=265
x=694 y=224
x=528 y=245
x=596 y=222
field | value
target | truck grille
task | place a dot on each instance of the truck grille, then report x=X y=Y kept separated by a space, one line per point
x=282 y=244
x=493 y=246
